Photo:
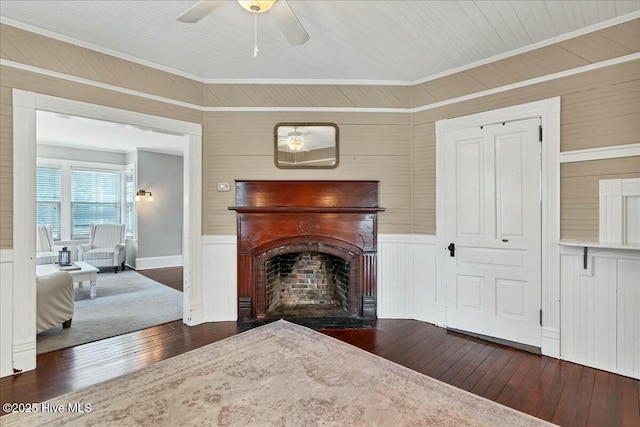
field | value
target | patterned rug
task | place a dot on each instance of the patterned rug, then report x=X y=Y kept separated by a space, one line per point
x=280 y=374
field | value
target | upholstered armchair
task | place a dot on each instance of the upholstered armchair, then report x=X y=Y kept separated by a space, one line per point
x=46 y=251
x=105 y=247
x=55 y=299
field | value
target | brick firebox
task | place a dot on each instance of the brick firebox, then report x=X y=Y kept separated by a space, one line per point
x=336 y=218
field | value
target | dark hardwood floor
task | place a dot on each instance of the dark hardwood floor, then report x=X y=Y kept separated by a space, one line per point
x=561 y=392
x=170 y=276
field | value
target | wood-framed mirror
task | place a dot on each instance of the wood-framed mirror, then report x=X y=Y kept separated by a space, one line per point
x=306 y=145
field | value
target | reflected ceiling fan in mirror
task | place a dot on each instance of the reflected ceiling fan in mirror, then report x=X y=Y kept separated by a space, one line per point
x=293 y=142
x=282 y=13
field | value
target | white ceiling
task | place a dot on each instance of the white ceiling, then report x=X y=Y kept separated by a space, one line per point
x=394 y=41
x=351 y=41
x=91 y=134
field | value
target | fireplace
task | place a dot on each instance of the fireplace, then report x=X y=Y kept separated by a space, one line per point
x=306 y=248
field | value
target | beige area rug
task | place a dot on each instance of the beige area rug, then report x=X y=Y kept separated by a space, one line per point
x=125 y=302
x=279 y=374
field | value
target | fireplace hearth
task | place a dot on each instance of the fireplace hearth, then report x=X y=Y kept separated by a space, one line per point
x=307 y=249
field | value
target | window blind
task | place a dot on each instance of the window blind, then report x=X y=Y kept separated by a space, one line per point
x=95 y=197
x=48 y=193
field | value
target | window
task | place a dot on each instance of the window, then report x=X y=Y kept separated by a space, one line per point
x=48 y=195
x=95 y=197
x=71 y=194
x=129 y=203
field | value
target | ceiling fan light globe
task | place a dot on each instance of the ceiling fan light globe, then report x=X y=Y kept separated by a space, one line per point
x=257 y=6
x=295 y=145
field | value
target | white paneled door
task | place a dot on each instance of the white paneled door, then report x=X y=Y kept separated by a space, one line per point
x=493 y=228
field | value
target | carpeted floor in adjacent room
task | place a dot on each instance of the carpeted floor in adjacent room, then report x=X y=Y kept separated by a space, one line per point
x=125 y=302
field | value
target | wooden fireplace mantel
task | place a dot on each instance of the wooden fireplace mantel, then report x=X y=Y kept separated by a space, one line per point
x=338 y=217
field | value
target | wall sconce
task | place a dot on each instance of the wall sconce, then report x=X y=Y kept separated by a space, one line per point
x=144 y=194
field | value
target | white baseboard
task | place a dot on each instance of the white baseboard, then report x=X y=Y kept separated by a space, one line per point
x=193 y=315
x=602 y=367
x=6 y=312
x=158 y=262
x=24 y=355
x=550 y=342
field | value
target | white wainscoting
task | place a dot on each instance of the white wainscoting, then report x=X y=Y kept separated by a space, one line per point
x=407 y=277
x=600 y=315
x=6 y=312
x=219 y=278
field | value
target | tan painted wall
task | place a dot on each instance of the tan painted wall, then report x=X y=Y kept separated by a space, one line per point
x=612 y=42
x=599 y=108
x=372 y=147
x=579 y=188
x=6 y=169
x=279 y=95
x=25 y=47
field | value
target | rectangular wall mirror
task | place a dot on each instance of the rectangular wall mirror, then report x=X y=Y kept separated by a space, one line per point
x=306 y=145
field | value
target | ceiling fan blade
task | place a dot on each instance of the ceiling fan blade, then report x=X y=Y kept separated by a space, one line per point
x=199 y=11
x=289 y=23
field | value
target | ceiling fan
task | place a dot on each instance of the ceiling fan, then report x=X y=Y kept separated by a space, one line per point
x=286 y=20
x=294 y=141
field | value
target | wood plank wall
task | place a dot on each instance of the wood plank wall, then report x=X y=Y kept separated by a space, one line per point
x=25 y=47
x=280 y=95
x=6 y=169
x=579 y=191
x=373 y=146
x=599 y=108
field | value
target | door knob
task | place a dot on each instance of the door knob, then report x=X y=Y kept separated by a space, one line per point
x=452 y=249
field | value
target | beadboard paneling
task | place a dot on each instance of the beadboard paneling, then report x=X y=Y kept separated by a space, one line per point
x=280 y=95
x=220 y=278
x=628 y=348
x=6 y=169
x=602 y=77
x=588 y=86
x=612 y=42
x=600 y=317
x=43 y=52
x=25 y=80
x=406 y=277
x=588 y=311
x=6 y=312
x=424 y=178
x=600 y=117
x=372 y=147
x=579 y=193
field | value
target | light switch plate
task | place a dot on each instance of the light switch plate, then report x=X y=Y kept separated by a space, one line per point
x=223 y=186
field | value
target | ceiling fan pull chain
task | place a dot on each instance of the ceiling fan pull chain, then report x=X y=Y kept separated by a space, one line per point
x=255 y=35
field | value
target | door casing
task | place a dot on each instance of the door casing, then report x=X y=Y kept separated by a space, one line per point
x=548 y=110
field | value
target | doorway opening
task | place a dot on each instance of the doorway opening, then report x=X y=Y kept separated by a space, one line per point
x=25 y=105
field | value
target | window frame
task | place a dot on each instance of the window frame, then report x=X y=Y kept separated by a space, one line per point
x=65 y=199
x=57 y=233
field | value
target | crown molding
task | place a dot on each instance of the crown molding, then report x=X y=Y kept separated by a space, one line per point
x=546 y=78
x=549 y=77
x=75 y=79
x=338 y=82
x=581 y=32
x=99 y=49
